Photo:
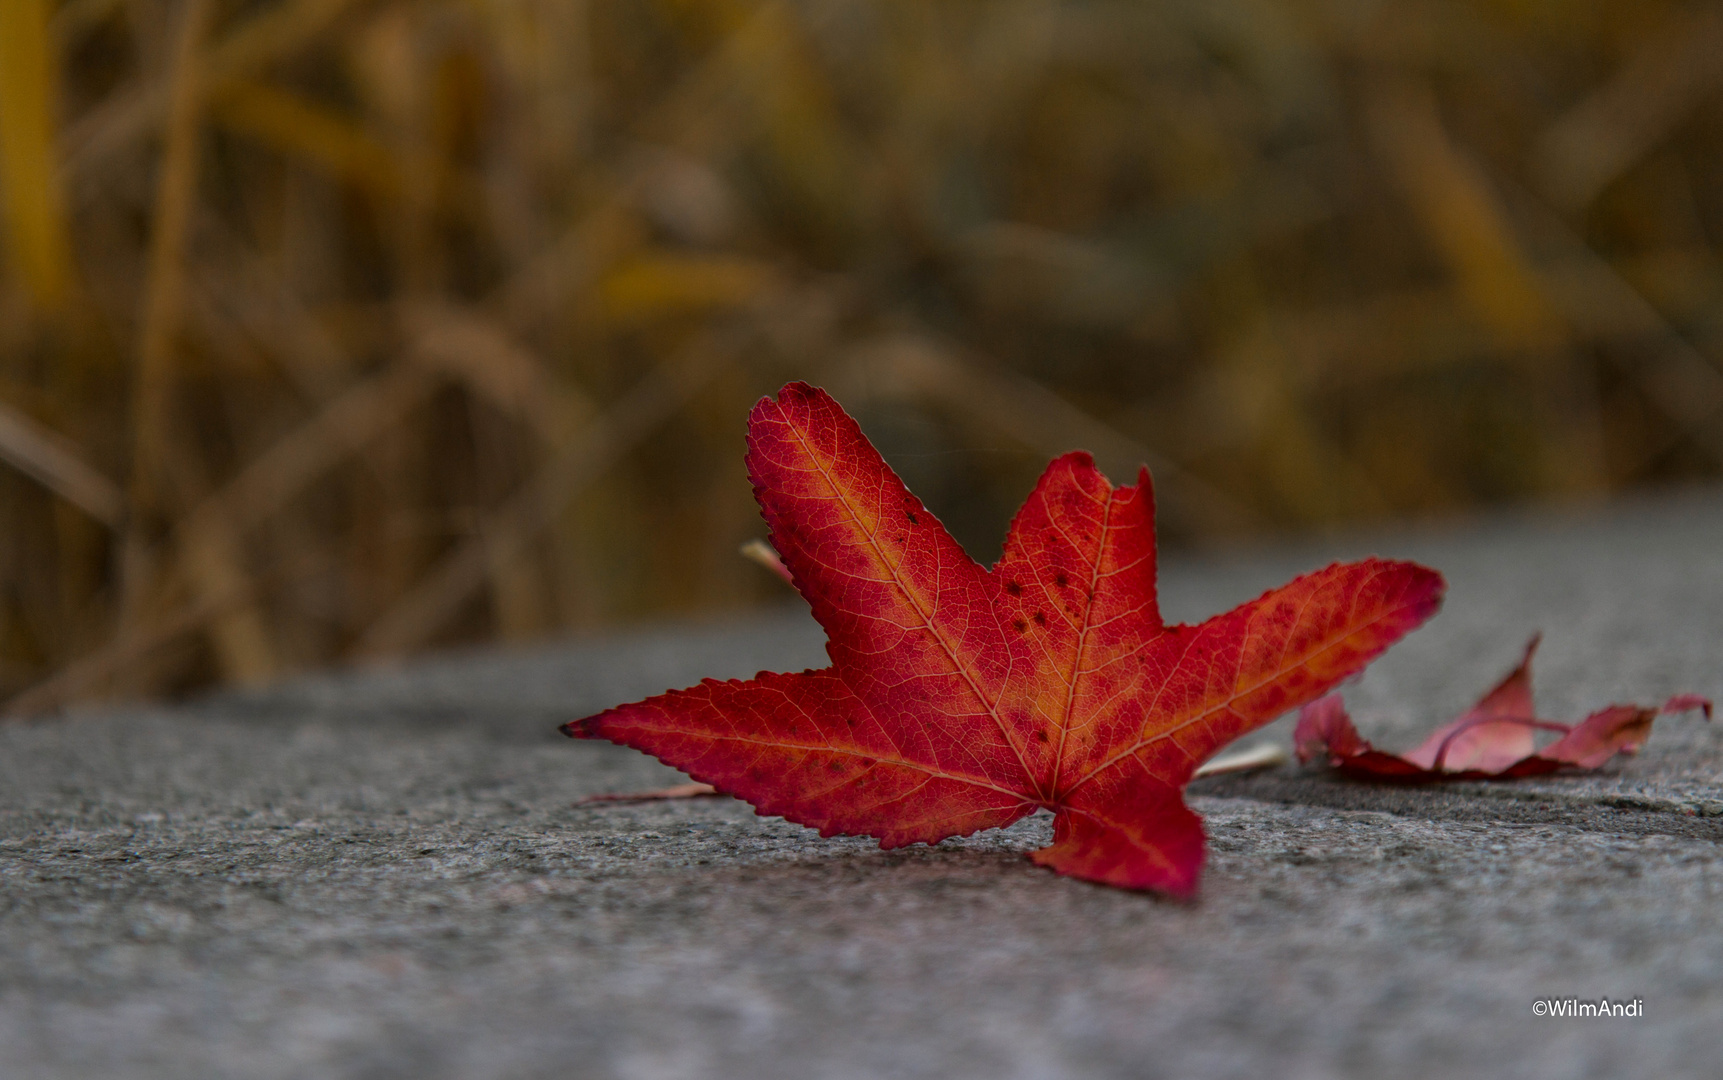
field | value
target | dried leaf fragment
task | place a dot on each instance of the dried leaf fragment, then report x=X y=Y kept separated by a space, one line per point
x=1493 y=740
x=674 y=791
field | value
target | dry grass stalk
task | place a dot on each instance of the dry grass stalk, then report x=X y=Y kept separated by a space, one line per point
x=51 y=459
x=1671 y=73
x=470 y=348
x=384 y=292
x=212 y=559
x=130 y=114
x=35 y=212
x=84 y=676
x=176 y=188
x=1462 y=216
x=340 y=429
x=504 y=535
x=916 y=366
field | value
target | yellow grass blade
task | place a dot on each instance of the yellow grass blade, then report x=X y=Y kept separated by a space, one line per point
x=311 y=132
x=655 y=285
x=35 y=207
x=1461 y=216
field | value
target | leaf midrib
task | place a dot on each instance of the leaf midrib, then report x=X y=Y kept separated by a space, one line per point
x=991 y=707
x=859 y=754
x=1053 y=793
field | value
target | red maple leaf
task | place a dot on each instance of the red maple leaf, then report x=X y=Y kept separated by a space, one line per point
x=1493 y=740
x=962 y=698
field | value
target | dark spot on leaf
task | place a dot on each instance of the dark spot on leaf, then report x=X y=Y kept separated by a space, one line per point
x=1040 y=618
x=1019 y=625
x=1041 y=734
x=1061 y=580
x=910 y=514
x=1014 y=588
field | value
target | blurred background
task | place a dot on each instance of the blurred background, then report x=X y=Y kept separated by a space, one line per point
x=338 y=329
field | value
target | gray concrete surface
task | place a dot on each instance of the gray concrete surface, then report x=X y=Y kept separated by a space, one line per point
x=382 y=874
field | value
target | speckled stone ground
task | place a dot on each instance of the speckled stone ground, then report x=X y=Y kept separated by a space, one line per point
x=383 y=874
